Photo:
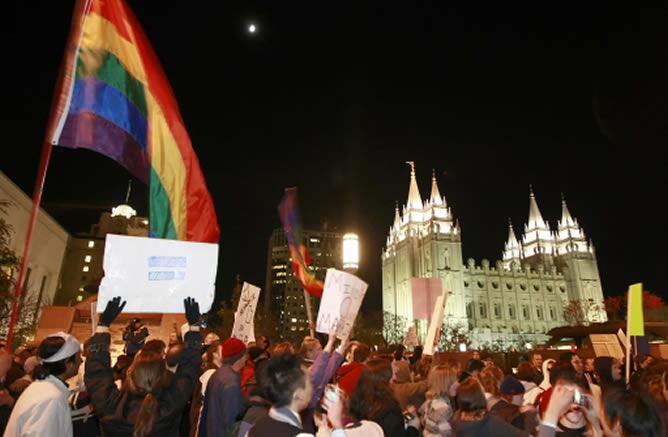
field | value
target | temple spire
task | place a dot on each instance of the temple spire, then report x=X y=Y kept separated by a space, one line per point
x=535 y=217
x=414 y=199
x=397 y=218
x=435 y=198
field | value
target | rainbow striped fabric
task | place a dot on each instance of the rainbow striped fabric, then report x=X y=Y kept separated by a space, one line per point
x=114 y=98
x=288 y=210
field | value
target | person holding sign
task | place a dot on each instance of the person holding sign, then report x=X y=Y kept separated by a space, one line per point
x=151 y=400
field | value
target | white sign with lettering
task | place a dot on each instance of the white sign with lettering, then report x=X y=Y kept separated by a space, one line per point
x=341 y=301
x=244 y=318
x=155 y=275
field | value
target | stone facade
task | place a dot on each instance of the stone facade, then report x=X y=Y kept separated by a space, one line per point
x=518 y=298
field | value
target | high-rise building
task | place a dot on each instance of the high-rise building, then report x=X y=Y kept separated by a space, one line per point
x=283 y=294
x=521 y=296
x=82 y=266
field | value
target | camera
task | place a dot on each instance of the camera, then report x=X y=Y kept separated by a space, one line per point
x=578 y=398
x=332 y=393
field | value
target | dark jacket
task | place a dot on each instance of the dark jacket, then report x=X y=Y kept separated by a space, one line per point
x=272 y=427
x=223 y=404
x=117 y=409
x=489 y=426
x=392 y=422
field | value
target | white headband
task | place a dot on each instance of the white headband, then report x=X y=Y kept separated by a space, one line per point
x=71 y=347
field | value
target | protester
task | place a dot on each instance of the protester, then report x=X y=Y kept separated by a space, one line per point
x=436 y=412
x=608 y=372
x=536 y=361
x=348 y=374
x=472 y=419
x=6 y=399
x=42 y=409
x=223 y=401
x=22 y=383
x=151 y=400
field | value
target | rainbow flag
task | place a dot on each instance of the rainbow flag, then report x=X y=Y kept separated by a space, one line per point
x=114 y=98
x=288 y=210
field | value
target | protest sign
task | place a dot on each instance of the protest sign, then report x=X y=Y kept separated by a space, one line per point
x=435 y=324
x=341 y=300
x=424 y=292
x=244 y=317
x=155 y=275
x=411 y=337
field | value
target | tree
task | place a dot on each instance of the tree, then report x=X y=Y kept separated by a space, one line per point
x=368 y=328
x=9 y=265
x=394 y=328
x=615 y=306
x=452 y=337
x=579 y=312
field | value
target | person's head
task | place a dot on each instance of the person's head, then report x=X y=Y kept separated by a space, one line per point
x=286 y=383
x=156 y=345
x=121 y=367
x=574 y=417
x=283 y=348
x=487 y=360
x=588 y=365
x=474 y=367
x=210 y=338
x=256 y=353
x=357 y=352
x=573 y=360
x=173 y=357
x=145 y=376
x=490 y=379
x=234 y=354
x=135 y=323
x=173 y=339
x=470 y=398
x=310 y=348
x=536 y=359
x=399 y=352
x=608 y=370
x=60 y=355
x=417 y=352
x=373 y=392
x=264 y=342
x=562 y=371
x=526 y=372
x=6 y=360
x=440 y=380
x=642 y=361
x=475 y=355
x=512 y=390
x=629 y=414
x=30 y=364
x=214 y=354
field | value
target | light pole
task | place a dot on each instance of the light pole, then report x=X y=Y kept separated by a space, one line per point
x=351 y=252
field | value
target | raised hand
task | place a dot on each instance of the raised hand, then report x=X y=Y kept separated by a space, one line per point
x=193 y=315
x=113 y=309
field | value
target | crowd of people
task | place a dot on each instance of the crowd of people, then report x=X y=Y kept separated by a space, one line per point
x=205 y=387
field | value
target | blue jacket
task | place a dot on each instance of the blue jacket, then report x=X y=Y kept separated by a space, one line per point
x=223 y=403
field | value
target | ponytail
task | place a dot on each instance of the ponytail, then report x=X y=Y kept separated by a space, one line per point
x=146 y=416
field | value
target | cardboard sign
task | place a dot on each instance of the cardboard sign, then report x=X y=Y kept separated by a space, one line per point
x=341 y=300
x=155 y=275
x=244 y=324
x=424 y=292
x=606 y=345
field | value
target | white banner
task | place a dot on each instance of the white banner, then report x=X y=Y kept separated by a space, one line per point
x=244 y=317
x=341 y=301
x=154 y=275
x=435 y=324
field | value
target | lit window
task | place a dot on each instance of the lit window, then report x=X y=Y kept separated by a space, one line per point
x=91 y=244
x=85 y=269
x=88 y=258
x=81 y=289
x=294 y=320
x=79 y=298
x=315 y=240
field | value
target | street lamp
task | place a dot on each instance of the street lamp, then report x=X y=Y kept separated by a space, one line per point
x=351 y=252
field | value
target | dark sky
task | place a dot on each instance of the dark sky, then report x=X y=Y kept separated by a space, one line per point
x=334 y=97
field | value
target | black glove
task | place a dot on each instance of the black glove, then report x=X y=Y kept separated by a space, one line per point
x=192 y=311
x=113 y=309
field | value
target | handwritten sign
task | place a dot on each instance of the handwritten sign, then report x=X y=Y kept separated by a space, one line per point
x=155 y=275
x=341 y=300
x=244 y=325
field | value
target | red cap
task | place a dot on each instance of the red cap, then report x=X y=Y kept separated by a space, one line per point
x=233 y=346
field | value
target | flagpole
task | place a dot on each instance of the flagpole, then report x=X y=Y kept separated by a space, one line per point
x=628 y=336
x=309 y=312
x=36 y=201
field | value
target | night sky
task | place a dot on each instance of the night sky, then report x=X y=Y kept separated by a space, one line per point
x=334 y=97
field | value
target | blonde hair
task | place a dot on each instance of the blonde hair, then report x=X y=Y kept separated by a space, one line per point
x=490 y=379
x=282 y=348
x=309 y=346
x=145 y=374
x=440 y=380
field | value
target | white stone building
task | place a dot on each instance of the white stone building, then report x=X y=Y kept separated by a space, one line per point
x=48 y=245
x=520 y=297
